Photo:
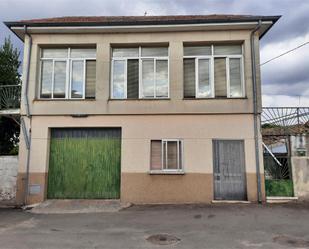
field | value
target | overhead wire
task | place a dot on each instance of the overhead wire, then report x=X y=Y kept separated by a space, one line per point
x=287 y=52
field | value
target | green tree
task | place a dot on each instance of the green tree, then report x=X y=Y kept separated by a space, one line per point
x=9 y=75
x=9 y=64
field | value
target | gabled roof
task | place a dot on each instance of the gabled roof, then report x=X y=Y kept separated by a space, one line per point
x=140 y=20
x=111 y=22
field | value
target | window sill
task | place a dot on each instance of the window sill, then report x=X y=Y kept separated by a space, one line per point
x=66 y=100
x=147 y=99
x=161 y=172
x=216 y=98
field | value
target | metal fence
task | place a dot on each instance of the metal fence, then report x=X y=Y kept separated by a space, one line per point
x=10 y=97
x=280 y=126
x=285 y=120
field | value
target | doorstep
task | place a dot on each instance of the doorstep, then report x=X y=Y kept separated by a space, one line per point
x=280 y=199
x=230 y=202
x=76 y=206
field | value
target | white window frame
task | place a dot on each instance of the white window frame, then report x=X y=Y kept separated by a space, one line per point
x=212 y=58
x=68 y=75
x=211 y=79
x=140 y=58
x=125 y=59
x=180 y=155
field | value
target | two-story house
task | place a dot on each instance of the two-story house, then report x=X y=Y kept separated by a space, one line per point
x=145 y=109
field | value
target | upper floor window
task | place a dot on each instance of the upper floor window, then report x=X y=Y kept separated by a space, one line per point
x=140 y=72
x=213 y=71
x=68 y=73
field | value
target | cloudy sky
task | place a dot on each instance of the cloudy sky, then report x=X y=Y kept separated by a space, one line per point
x=285 y=81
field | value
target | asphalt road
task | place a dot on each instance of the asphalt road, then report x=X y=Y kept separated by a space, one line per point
x=187 y=226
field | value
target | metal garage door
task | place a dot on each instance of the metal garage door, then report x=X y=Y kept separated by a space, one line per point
x=84 y=163
x=229 y=170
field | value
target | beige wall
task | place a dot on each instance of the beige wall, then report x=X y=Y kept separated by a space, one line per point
x=197 y=132
x=176 y=104
x=197 y=122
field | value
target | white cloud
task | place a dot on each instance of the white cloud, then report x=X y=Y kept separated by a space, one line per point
x=288 y=75
x=285 y=101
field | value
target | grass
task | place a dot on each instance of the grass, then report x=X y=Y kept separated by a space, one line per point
x=279 y=187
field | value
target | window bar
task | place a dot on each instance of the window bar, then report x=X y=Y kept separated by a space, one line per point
x=227 y=67
x=168 y=74
x=84 y=83
x=140 y=83
x=242 y=72
x=53 y=79
x=67 y=78
x=125 y=79
x=162 y=154
x=178 y=162
x=70 y=79
x=39 y=87
x=212 y=76
x=182 y=155
x=166 y=157
x=154 y=78
x=196 y=77
x=112 y=79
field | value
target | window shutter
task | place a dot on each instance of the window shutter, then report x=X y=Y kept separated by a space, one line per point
x=54 y=53
x=235 y=78
x=156 y=155
x=132 y=79
x=125 y=52
x=90 y=79
x=46 y=79
x=220 y=77
x=197 y=50
x=189 y=78
x=227 y=49
x=83 y=53
x=153 y=51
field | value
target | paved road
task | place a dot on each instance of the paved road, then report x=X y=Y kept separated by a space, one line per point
x=211 y=226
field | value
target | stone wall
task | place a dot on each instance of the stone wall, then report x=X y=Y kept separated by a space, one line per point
x=300 y=169
x=8 y=176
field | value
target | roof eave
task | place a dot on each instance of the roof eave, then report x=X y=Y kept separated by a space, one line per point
x=12 y=25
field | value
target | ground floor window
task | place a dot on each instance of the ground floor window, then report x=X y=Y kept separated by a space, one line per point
x=166 y=155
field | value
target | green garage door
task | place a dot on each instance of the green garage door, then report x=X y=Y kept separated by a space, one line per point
x=84 y=163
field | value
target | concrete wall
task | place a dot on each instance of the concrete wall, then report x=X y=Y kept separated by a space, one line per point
x=300 y=169
x=196 y=121
x=175 y=104
x=196 y=131
x=8 y=177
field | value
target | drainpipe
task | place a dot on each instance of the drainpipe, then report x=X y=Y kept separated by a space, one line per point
x=255 y=111
x=27 y=134
x=27 y=72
